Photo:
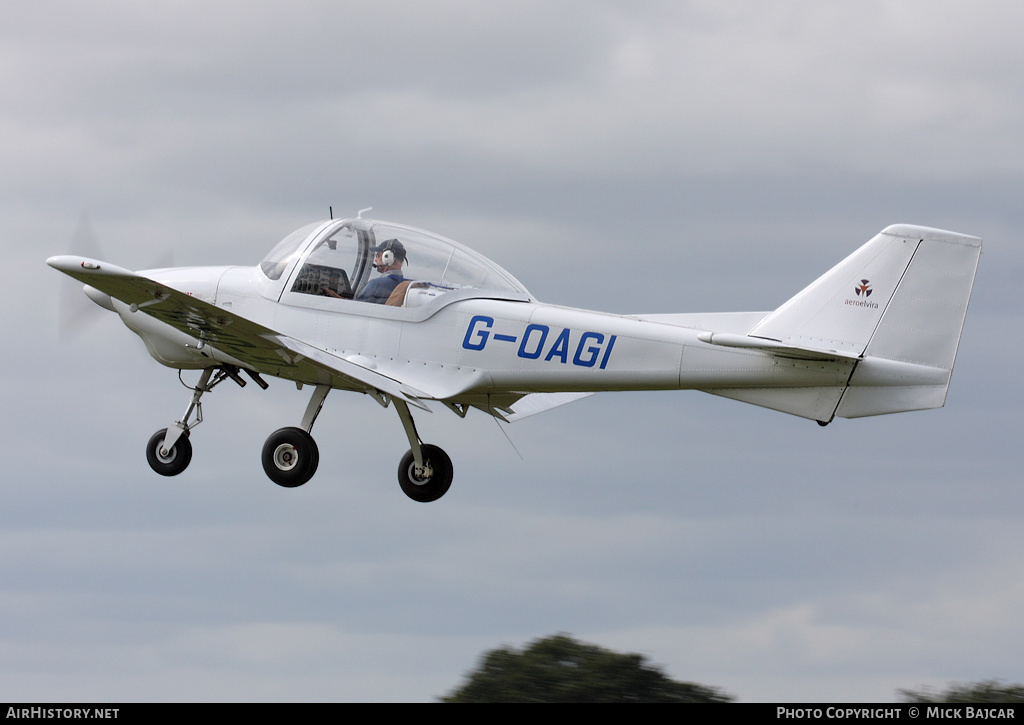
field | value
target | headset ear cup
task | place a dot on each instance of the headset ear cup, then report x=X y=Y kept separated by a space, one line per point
x=387 y=258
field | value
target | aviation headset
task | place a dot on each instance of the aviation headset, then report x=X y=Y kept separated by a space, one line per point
x=389 y=251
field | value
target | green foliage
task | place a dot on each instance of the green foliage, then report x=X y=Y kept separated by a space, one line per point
x=562 y=669
x=967 y=692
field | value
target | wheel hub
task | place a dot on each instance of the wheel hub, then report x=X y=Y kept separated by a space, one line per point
x=286 y=457
x=427 y=482
x=165 y=456
x=421 y=475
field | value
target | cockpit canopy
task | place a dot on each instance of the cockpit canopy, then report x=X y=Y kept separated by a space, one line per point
x=336 y=260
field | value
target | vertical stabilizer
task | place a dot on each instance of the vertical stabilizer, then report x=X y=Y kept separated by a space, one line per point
x=898 y=304
x=840 y=310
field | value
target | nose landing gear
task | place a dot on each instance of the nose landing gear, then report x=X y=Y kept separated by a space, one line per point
x=169 y=451
x=168 y=461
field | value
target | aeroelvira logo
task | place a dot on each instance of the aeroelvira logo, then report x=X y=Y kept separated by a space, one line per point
x=863 y=290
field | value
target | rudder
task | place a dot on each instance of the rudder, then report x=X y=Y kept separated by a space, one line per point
x=920 y=328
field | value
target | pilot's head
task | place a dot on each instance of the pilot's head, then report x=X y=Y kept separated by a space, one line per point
x=389 y=255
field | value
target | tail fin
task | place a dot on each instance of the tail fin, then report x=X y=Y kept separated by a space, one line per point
x=898 y=303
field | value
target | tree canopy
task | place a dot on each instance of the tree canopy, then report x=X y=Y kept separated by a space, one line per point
x=562 y=669
x=967 y=692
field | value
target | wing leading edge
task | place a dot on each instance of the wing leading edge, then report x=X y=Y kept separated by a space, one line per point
x=255 y=346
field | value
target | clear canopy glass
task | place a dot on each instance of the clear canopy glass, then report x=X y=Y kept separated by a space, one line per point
x=281 y=256
x=339 y=262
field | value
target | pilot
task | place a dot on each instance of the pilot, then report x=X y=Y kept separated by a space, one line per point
x=388 y=260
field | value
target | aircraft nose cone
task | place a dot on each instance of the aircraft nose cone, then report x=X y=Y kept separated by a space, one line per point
x=100 y=298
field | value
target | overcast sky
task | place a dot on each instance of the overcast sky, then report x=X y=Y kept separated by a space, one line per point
x=629 y=157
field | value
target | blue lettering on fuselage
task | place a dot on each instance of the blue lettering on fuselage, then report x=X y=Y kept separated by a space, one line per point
x=592 y=348
x=477 y=332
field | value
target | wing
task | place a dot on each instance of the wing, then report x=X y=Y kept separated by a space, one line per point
x=258 y=347
x=511 y=406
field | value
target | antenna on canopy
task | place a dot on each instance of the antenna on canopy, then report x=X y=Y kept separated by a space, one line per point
x=331 y=209
x=360 y=214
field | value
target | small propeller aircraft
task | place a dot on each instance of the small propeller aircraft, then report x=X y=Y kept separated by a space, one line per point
x=876 y=334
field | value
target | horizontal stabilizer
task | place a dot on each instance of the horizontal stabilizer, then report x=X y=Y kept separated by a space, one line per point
x=776 y=348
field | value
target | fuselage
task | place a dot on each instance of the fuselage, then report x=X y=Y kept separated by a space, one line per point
x=476 y=343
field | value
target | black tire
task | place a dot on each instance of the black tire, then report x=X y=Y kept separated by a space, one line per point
x=431 y=488
x=172 y=462
x=290 y=457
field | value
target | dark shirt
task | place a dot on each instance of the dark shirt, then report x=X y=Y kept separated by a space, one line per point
x=378 y=290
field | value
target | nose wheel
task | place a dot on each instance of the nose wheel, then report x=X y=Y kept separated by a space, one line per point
x=169 y=451
x=168 y=461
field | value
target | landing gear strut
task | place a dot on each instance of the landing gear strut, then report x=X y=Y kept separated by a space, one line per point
x=169 y=451
x=290 y=455
x=425 y=472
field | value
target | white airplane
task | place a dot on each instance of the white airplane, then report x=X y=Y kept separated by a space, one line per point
x=876 y=334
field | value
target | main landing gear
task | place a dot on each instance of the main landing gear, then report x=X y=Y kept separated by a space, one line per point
x=290 y=455
x=425 y=472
